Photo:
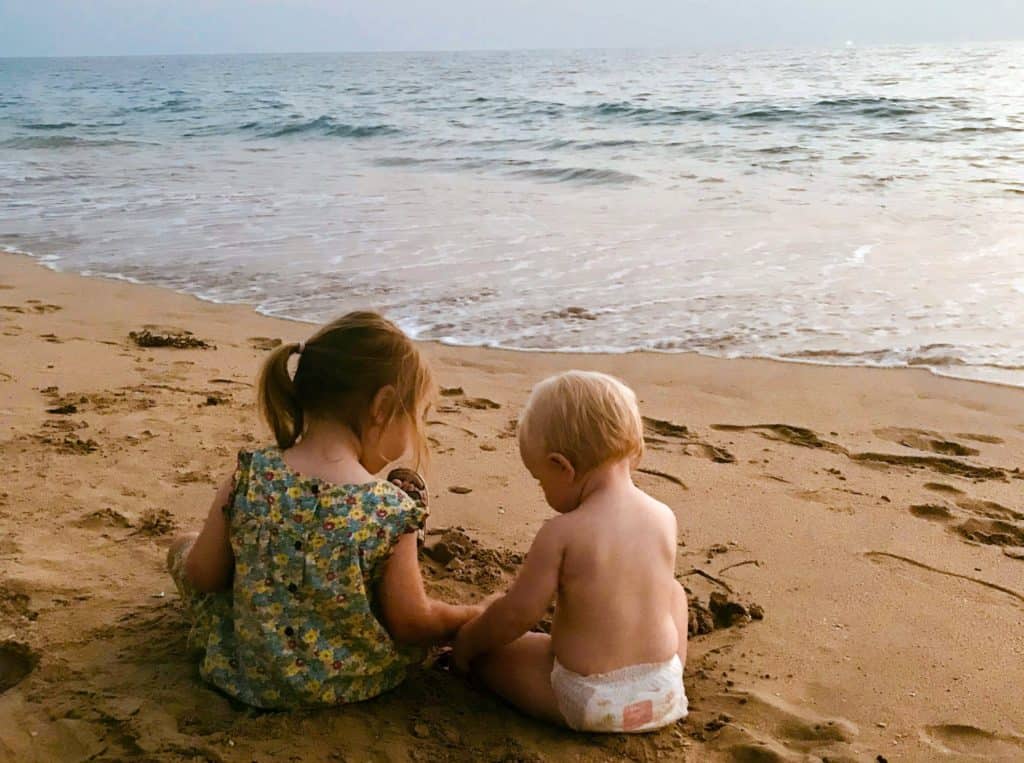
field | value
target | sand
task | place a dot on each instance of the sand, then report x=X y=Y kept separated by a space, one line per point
x=873 y=516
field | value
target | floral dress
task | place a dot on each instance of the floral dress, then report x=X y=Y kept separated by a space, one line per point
x=300 y=625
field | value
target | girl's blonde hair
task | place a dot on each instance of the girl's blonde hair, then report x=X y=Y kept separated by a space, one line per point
x=590 y=418
x=340 y=370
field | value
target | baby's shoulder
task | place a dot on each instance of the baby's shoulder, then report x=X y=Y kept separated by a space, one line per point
x=654 y=508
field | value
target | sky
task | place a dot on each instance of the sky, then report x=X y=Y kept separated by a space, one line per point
x=139 y=27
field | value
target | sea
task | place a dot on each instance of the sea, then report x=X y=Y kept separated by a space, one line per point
x=852 y=205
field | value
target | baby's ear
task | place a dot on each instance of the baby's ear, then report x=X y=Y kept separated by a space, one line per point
x=563 y=464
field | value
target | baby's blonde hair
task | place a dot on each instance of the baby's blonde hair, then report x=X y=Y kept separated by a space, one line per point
x=590 y=418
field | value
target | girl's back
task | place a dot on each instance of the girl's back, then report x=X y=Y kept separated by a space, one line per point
x=308 y=554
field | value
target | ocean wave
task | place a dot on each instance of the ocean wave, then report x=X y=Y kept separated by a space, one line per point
x=63 y=141
x=934 y=356
x=579 y=175
x=822 y=109
x=881 y=106
x=323 y=125
x=646 y=114
x=400 y=161
x=48 y=125
x=172 y=105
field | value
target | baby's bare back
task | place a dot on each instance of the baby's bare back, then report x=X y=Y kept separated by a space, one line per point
x=617 y=588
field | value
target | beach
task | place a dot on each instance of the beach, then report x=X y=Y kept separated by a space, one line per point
x=864 y=527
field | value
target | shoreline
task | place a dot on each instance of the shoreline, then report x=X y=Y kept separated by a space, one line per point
x=873 y=514
x=52 y=264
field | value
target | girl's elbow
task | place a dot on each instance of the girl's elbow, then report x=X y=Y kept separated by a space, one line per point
x=203 y=580
x=412 y=626
x=404 y=632
x=207 y=586
x=407 y=631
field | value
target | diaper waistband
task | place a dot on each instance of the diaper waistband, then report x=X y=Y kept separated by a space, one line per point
x=628 y=674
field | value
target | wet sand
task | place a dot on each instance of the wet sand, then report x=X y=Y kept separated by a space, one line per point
x=872 y=516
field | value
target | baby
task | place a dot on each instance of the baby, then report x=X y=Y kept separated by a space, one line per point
x=614 y=659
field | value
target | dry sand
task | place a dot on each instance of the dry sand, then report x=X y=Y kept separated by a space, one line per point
x=874 y=515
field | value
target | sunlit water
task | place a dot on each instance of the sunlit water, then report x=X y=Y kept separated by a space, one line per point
x=860 y=206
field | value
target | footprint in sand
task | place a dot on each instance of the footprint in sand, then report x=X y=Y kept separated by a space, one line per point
x=658 y=432
x=984 y=522
x=806 y=438
x=16 y=662
x=665 y=428
x=766 y=728
x=923 y=439
x=792 y=435
x=479 y=404
x=933 y=511
x=263 y=343
x=941 y=487
x=103 y=518
x=992 y=532
x=989 y=509
x=988 y=439
x=826 y=498
x=941 y=464
x=961 y=739
x=474 y=403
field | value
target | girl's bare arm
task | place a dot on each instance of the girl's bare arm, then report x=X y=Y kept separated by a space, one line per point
x=409 y=615
x=211 y=561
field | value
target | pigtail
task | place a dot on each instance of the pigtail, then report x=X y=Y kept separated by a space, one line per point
x=278 y=400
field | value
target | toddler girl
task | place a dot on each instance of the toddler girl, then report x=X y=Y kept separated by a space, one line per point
x=304 y=585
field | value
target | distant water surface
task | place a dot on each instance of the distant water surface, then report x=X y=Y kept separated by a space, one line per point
x=858 y=205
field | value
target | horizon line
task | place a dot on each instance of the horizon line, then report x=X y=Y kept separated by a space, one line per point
x=818 y=45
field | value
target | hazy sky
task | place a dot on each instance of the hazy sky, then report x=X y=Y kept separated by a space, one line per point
x=114 y=27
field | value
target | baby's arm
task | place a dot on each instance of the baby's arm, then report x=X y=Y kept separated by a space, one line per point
x=211 y=561
x=522 y=607
x=409 y=615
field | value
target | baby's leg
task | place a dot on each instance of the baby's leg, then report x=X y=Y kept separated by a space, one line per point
x=520 y=672
x=681 y=614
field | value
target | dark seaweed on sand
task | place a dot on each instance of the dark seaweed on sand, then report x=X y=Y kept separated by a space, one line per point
x=181 y=341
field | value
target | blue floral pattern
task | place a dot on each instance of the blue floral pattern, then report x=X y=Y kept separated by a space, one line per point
x=300 y=626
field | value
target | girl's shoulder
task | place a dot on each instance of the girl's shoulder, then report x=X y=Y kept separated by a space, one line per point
x=266 y=467
x=378 y=498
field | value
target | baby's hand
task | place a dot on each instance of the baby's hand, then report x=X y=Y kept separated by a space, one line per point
x=461 y=652
x=464 y=650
